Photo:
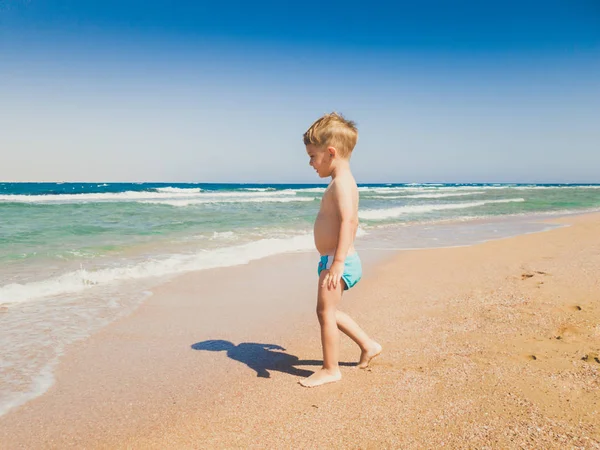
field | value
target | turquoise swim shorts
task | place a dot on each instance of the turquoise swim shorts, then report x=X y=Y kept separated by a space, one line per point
x=352 y=268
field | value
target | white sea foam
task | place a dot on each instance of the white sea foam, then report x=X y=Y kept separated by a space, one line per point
x=409 y=189
x=267 y=189
x=181 y=203
x=496 y=187
x=387 y=213
x=303 y=190
x=175 y=190
x=442 y=188
x=456 y=194
x=443 y=195
x=589 y=186
x=77 y=198
x=82 y=279
x=250 y=193
x=469 y=188
x=223 y=235
x=176 y=194
x=129 y=196
x=392 y=189
x=40 y=383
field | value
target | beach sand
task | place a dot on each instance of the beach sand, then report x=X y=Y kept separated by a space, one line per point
x=495 y=345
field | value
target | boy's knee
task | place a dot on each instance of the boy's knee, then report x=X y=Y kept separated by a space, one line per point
x=324 y=313
x=320 y=311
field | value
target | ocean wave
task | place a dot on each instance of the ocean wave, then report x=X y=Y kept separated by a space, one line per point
x=456 y=194
x=392 y=189
x=304 y=190
x=283 y=192
x=388 y=213
x=414 y=188
x=267 y=189
x=432 y=188
x=81 y=198
x=182 y=203
x=129 y=196
x=223 y=235
x=583 y=186
x=520 y=187
x=175 y=190
x=83 y=279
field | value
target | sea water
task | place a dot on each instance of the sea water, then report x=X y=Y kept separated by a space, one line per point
x=76 y=256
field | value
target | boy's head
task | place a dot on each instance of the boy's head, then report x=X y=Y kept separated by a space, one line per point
x=330 y=138
x=332 y=130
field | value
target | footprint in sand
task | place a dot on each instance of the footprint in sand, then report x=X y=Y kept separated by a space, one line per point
x=591 y=357
x=567 y=330
x=526 y=275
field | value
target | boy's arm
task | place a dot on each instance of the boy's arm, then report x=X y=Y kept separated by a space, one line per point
x=343 y=199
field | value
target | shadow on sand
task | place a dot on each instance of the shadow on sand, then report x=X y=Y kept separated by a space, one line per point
x=262 y=357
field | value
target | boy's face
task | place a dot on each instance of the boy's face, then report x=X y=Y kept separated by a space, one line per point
x=320 y=160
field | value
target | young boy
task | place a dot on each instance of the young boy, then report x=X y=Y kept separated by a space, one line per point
x=329 y=144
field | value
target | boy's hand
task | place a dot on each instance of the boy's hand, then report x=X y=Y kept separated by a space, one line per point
x=332 y=279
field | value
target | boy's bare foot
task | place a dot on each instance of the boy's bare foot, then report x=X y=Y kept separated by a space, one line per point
x=320 y=377
x=367 y=355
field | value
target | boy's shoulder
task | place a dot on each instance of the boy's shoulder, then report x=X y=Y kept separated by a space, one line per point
x=346 y=179
x=344 y=183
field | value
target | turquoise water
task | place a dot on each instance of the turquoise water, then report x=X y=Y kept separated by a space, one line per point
x=50 y=225
x=74 y=256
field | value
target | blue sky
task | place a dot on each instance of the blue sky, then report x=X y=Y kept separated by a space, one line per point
x=222 y=91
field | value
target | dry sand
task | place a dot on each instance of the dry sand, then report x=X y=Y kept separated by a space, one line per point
x=491 y=346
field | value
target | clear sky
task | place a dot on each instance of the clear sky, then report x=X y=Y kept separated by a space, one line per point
x=442 y=91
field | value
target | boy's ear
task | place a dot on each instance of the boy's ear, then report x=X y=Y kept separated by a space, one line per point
x=332 y=151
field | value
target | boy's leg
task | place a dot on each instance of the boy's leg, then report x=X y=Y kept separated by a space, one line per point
x=369 y=348
x=327 y=301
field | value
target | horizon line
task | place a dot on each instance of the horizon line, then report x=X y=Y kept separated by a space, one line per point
x=300 y=183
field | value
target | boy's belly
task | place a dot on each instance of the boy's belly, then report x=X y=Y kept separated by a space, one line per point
x=326 y=233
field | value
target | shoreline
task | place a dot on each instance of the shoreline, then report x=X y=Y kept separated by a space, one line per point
x=153 y=345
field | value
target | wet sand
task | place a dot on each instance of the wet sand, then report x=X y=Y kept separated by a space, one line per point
x=495 y=345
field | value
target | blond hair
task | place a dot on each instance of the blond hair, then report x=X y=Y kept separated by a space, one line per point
x=335 y=131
